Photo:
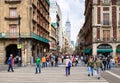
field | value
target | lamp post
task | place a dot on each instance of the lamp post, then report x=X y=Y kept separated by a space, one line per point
x=19 y=43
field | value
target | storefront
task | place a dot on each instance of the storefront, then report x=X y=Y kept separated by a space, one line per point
x=118 y=50
x=88 y=51
x=104 y=50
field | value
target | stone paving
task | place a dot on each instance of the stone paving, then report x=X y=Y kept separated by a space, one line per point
x=48 y=75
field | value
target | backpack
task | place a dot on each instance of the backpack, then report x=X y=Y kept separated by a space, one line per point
x=9 y=61
x=69 y=64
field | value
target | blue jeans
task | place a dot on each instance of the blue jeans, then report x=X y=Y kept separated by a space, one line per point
x=98 y=72
x=67 y=71
x=38 y=69
x=90 y=70
x=43 y=64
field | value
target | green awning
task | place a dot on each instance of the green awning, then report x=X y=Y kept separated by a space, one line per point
x=88 y=51
x=104 y=50
x=118 y=50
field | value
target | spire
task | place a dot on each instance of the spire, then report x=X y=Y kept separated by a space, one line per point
x=67 y=17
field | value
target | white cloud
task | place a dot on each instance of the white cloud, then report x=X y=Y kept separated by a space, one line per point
x=75 y=8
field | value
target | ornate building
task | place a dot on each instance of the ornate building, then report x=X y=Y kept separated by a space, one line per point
x=102 y=20
x=27 y=36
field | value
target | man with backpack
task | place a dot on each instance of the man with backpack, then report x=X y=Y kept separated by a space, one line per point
x=68 y=65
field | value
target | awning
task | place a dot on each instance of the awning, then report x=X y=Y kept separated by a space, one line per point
x=118 y=50
x=88 y=51
x=104 y=50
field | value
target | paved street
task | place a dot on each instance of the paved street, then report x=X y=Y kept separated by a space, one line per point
x=48 y=75
x=112 y=76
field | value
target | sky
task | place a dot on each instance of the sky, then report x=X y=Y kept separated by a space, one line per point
x=75 y=10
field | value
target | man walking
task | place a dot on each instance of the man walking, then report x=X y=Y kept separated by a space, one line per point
x=10 y=63
x=68 y=65
x=38 y=68
x=98 y=65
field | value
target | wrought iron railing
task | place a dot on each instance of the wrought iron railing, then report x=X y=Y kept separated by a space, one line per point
x=14 y=35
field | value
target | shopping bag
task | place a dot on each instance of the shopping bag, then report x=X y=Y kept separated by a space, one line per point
x=95 y=72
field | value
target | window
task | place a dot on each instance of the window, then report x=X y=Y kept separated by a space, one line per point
x=12 y=29
x=13 y=12
x=106 y=35
x=105 y=18
x=106 y=1
x=119 y=19
x=118 y=2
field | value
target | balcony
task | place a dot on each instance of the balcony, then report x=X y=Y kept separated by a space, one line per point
x=12 y=1
x=14 y=35
x=11 y=18
x=53 y=36
x=105 y=40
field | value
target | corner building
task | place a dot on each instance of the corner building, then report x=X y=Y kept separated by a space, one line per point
x=32 y=33
x=101 y=30
x=106 y=30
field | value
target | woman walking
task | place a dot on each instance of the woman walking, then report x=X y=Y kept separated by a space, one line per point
x=90 y=65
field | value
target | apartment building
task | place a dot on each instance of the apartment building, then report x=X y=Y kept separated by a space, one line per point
x=56 y=19
x=53 y=39
x=25 y=37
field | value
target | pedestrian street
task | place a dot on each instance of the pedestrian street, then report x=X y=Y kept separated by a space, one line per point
x=48 y=75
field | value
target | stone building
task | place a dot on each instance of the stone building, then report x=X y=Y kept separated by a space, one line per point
x=53 y=39
x=56 y=20
x=101 y=28
x=29 y=37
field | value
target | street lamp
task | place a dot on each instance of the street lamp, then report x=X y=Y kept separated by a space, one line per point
x=19 y=43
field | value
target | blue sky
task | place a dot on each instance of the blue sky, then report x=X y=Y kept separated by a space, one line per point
x=75 y=8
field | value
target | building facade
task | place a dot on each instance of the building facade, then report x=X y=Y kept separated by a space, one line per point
x=105 y=29
x=29 y=34
x=65 y=42
x=56 y=19
x=106 y=41
x=53 y=39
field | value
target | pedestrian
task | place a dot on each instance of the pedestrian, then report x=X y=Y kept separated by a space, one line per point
x=98 y=66
x=68 y=64
x=43 y=61
x=10 y=63
x=38 y=65
x=90 y=65
x=56 y=61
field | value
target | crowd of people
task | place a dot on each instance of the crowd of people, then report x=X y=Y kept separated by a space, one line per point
x=94 y=64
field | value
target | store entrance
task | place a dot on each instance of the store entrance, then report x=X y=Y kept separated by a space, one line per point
x=11 y=49
x=104 y=50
